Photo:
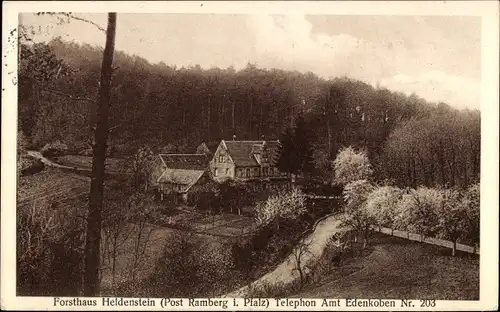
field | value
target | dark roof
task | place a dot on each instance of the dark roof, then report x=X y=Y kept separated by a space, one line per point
x=185 y=161
x=241 y=152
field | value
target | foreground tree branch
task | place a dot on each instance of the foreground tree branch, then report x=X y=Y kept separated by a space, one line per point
x=92 y=245
x=69 y=15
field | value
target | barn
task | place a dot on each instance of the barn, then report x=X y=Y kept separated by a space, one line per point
x=178 y=175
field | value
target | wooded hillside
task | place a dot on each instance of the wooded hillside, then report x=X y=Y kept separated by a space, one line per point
x=175 y=109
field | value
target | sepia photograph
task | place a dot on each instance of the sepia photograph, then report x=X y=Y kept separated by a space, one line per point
x=248 y=155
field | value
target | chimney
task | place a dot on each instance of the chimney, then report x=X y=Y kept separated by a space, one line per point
x=234 y=137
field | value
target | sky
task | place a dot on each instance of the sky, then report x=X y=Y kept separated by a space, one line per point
x=436 y=57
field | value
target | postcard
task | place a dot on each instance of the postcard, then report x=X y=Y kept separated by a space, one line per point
x=250 y=155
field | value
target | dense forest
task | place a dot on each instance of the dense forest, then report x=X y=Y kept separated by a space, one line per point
x=407 y=139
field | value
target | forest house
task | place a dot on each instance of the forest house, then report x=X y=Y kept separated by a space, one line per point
x=252 y=162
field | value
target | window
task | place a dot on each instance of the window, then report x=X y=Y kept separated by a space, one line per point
x=221 y=158
x=256 y=172
x=264 y=171
x=215 y=172
x=227 y=171
x=248 y=172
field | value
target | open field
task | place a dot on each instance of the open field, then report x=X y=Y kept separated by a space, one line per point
x=393 y=267
x=51 y=184
x=85 y=162
x=70 y=190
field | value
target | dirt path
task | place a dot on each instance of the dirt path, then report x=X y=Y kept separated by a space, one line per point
x=285 y=272
x=46 y=161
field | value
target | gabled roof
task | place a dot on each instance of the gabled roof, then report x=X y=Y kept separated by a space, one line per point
x=185 y=161
x=185 y=178
x=242 y=152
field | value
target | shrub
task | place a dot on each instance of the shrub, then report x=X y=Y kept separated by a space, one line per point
x=189 y=268
x=31 y=166
x=471 y=202
x=351 y=165
x=404 y=206
x=49 y=257
x=233 y=195
x=54 y=149
x=424 y=218
x=381 y=205
x=452 y=217
x=268 y=290
x=355 y=212
x=289 y=205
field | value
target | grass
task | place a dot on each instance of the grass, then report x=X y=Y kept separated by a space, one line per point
x=112 y=164
x=52 y=184
x=393 y=268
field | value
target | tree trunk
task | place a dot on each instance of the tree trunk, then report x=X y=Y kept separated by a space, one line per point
x=442 y=167
x=414 y=173
x=113 y=266
x=93 y=235
x=221 y=116
x=234 y=129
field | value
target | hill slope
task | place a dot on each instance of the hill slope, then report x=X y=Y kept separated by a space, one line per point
x=395 y=268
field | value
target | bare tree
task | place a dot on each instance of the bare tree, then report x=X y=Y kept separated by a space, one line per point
x=298 y=253
x=141 y=208
x=115 y=233
x=93 y=236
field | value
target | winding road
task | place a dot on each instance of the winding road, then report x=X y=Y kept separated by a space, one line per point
x=48 y=162
x=285 y=272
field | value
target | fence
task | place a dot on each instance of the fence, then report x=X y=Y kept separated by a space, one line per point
x=427 y=240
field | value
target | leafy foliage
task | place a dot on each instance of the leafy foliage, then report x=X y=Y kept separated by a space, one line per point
x=295 y=154
x=424 y=218
x=441 y=149
x=189 y=268
x=22 y=161
x=452 y=217
x=381 y=204
x=471 y=203
x=56 y=148
x=350 y=165
x=356 y=214
x=284 y=205
x=142 y=164
x=231 y=196
x=403 y=136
